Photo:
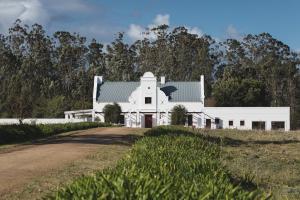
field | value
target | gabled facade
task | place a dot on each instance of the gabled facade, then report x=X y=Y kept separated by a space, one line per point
x=149 y=102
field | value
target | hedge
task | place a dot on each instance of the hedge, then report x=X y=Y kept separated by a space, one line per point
x=24 y=132
x=163 y=165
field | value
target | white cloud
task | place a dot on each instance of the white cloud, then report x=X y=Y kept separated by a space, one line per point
x=232 y=33
x=29 y=11
x=195 y=30
x=36 y=11
x=137 y=32
x=161 y=20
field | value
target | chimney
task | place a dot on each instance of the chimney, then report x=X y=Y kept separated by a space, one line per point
x=202 y=88
x=97 y=80
x=162 y=80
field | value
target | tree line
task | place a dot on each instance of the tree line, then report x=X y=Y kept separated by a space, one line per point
x=43 y=75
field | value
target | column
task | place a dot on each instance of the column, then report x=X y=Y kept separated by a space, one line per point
x=138 y=118
x=93 y=115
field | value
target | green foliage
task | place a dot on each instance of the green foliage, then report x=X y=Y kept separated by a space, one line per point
x=24 y=132
x=178 y=115
x=163 y=167
x=239 y=92
x=112 y=113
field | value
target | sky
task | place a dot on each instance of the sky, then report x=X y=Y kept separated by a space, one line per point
x=103 y=19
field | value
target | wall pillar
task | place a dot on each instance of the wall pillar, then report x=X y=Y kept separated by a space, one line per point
x=167 y=118
x=138 y=119
x=93 y=115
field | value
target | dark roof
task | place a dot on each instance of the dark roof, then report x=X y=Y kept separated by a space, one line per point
x=176 y=91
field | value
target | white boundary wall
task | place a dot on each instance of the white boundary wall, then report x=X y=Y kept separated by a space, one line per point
x=4 y=121
x=248 y=114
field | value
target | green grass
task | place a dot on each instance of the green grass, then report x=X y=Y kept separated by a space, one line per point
x=169 y=163
x=21 y=133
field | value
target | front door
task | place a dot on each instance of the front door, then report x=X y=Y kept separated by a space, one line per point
x=148 y=121
x=208 y=123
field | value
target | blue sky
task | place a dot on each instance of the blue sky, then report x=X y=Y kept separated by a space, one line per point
x=102 y=19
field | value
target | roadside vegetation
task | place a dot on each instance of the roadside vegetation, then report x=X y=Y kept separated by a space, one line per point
x=24 y=132
x=168 y=163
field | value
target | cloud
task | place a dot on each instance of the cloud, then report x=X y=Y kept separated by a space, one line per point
x=232 y=33
x=137 y=32
x=29 y=11
x=161 y=20
x=38 y=11
x=195 y=30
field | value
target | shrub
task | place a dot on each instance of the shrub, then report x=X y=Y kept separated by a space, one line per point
x=25 y=132
x=178 y=115
x=112 y=113
x=163 y=167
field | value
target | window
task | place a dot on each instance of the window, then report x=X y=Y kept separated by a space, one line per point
x=230 y=123
x=147 y=100
x=258 y=125
x=217 y=121
x=242 y=123
x=277 y=125
x=122 y=119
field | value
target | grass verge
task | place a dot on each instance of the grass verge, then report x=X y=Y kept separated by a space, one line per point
x=169 y=163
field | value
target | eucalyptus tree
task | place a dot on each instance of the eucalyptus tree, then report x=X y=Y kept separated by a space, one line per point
x=120 y=60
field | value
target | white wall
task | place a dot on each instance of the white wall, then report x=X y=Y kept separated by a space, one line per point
x=248 y=114
x=4 y=121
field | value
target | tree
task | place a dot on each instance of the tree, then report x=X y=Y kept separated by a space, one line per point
x=232 y=91
x=178 y=115
x=112 y=113
x=120 y=60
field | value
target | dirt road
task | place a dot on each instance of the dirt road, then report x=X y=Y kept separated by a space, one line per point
x=20 y=165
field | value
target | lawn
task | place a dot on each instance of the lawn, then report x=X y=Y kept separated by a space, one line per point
x=269 y=159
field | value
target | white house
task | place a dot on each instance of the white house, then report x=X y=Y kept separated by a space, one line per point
x=149 y=102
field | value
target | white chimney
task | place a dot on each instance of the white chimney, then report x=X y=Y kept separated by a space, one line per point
x=97 y=80
x=202 y=88
x=162 y=80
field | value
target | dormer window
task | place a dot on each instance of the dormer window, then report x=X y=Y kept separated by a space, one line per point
x=148 y=100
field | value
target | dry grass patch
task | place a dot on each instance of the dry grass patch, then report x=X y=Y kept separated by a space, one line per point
x=269 y=159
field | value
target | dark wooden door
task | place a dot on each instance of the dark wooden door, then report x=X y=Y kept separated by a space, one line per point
x=148 y=121
x=208 y=123
x=190 y=120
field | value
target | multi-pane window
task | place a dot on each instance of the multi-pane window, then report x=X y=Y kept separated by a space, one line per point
x=230 y=123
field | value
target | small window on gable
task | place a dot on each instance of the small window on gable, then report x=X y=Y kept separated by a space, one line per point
x=242 y=123
x=230 y=123
x=148 y=100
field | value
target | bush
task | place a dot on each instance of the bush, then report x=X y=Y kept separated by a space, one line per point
x=112 y=113
x=163 y=167
x=24 y=132
x=178 y=115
